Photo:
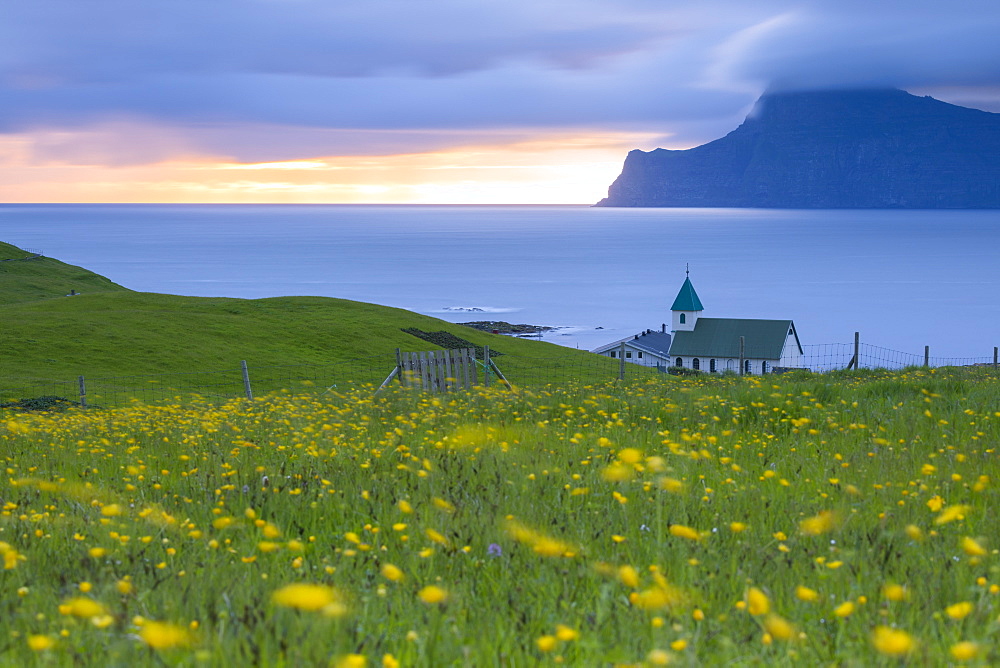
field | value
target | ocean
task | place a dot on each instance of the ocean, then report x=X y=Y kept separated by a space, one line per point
x=903 y=279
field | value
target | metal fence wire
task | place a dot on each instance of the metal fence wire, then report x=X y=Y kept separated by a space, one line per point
x=248 y=380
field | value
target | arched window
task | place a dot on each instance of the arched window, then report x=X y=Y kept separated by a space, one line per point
x=680 y=361
x=747 y=367
x=763 y=367
x=696 y=363
x=683 y=319
x=711 y=365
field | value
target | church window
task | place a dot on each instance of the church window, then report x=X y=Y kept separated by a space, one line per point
x=711 y=365
x=696 y=363
x=683 y=318
x=680 y=361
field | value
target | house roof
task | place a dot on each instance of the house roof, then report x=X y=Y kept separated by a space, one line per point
x=687 y=299
x=720 y=337
x=655 y=343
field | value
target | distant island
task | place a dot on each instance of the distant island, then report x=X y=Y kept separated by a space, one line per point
x=851 y=149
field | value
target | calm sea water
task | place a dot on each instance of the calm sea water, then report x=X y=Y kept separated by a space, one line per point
x=904 y=279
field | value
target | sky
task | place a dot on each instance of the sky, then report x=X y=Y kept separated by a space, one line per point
x=430 y=101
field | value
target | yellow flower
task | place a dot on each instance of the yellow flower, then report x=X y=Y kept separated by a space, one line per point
x=806 y=594
x=679 y=645
x=161 y=635
x=952 y=513
x=302 y=596
x=757 y=602
x=892 y=642
x=671 y=485
x=964 y=651
x=111 y=510
x=779 y=627
x=895 y=592
x=973 y=548
x=737 y=527
x=389 y=661
x=432 y=594
x=845 y=609
x=618 y=473
x=630 y=455
x=935 y=503
x=682 y=531
x=82 y=607
x=656 y=598
x=913 y=532
x=628 y=576
x=351 y=661
x=97 y=552
x=393 y=573
x=40 y=643
x=959 y=610
x=546 y=643
x=658 y=657
x=820 y=524
x=566 y=633
x=102 y=621
x=437 y=537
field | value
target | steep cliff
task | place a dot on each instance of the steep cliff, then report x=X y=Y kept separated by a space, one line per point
x=829 y=149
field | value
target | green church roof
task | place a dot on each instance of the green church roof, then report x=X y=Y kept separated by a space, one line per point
x=720 y=337
x=687 y=299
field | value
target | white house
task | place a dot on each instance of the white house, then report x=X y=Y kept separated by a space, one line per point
x=648 y=348
x=714 y=345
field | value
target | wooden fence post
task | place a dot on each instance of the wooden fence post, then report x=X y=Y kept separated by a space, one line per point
x=994 y=357
x=927 y=355
x=856 y=360
x=246 y=379
x=621 y=361
x=486 y=366
x=83 y=392
x=742 y=355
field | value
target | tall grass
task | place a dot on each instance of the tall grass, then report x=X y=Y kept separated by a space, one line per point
x=843 y=519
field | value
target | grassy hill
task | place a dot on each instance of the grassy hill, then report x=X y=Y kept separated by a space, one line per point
x=111 y=331
x=27 y=280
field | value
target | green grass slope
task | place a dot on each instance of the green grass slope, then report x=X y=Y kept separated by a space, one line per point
x=122 y=333
x=27 y=280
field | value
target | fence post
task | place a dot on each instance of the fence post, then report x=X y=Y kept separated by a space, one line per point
x=246 y=379
x=927 y=355
x=994 y=357
x=486 y=365
x=621 y=361
x=742 y=354
x=856 y=360
x=83 y=392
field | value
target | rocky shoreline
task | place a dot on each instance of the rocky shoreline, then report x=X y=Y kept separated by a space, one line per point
x=501 y=327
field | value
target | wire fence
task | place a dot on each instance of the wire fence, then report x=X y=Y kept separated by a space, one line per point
x=249 y=380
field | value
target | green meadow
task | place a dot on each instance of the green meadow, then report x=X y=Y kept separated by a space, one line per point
x=109 y=331
x=819 y=520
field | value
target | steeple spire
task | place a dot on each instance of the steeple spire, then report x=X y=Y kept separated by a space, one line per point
x=686 y=307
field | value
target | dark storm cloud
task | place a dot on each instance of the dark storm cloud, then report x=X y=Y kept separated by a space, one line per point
x=398 y=66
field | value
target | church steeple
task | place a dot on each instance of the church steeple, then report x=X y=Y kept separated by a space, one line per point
x=686 y=307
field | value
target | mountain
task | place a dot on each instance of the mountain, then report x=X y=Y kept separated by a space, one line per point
x=871 y=149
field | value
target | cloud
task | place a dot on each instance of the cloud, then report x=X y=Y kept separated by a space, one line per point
x=283 y=80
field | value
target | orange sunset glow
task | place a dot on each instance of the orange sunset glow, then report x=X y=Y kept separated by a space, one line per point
x=563 y=168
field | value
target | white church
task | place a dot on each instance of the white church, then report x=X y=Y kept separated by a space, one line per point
x=713 y=345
